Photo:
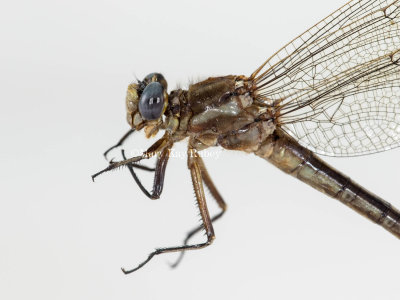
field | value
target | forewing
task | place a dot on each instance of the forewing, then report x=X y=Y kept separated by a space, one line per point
x=336 y=88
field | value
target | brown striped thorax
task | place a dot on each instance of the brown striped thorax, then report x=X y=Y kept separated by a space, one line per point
x=221 y=111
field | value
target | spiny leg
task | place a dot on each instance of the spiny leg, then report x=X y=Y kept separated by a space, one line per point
x=141 y=167
x=159 y=174
x=120 y=142
x=153 y=149
x=137 y=166
x=196 y=176
x=216 y=195
x=210 y=185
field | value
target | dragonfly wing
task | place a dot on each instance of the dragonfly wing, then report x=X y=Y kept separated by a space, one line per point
x=336 y=87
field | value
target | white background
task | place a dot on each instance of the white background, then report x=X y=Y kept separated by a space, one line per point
x=65 y=66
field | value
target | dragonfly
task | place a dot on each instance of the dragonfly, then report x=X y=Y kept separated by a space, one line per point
x=333 y=90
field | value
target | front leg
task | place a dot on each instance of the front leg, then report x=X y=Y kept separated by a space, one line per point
x=153 y=150
x=159 y=174
x=120 y=142
x=196 y=175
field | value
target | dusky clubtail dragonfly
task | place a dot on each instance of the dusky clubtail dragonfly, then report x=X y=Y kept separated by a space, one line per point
x=334 y=90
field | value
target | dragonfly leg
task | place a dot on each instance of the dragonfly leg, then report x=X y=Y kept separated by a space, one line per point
x=120 y=143
x=218 y=198
x=196 y=175
x=150 y=152
x=159 y=174
x=141 y=167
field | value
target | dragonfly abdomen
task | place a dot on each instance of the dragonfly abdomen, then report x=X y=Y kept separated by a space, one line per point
x=289 y=156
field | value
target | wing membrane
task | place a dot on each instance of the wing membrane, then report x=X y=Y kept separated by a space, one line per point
x=336 y=87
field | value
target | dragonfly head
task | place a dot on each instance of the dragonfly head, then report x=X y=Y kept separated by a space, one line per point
x=146 y=102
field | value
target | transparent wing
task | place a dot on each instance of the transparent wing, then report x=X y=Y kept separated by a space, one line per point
x=336 y=87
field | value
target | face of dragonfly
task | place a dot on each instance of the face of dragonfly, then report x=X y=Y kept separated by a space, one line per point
x=146 y=102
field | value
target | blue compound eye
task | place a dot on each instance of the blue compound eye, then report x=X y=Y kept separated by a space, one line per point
x=151 y=103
